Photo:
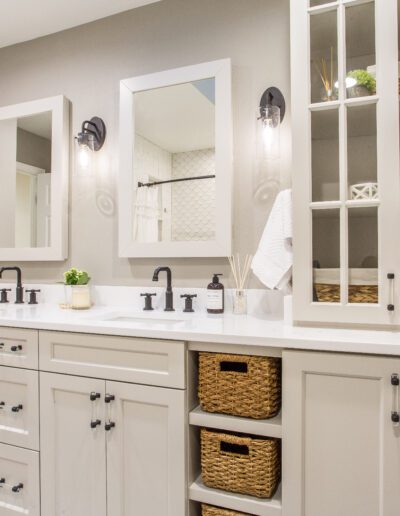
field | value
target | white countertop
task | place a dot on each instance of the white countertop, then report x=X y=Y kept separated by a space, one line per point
x=227 y=328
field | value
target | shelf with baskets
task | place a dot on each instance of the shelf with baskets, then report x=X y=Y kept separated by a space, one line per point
x=236 y=431
x=237 y=502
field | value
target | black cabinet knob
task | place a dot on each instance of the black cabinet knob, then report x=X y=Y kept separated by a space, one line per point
x=17 y=408
x=94 y=396
x=17 y=488
x=395 y=380
x=2 y=481
x=395 y=417
x=108 y=398
x=95 y=423
x=14 y=349
x=2 y=405
x=109 y=425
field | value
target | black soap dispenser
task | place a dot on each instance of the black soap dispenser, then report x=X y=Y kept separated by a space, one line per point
x=215 y=296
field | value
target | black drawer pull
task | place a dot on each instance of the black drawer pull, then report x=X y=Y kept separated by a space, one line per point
x=17 y=488
x=94 y=396
x=17 y=408
x=108 y=398
x=95 y=423
x=109 y=425
x=14 y=349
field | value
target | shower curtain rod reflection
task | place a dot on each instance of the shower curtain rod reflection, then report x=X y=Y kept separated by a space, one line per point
x=140 y=185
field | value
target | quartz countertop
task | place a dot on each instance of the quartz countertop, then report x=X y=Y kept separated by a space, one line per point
x=228 y=328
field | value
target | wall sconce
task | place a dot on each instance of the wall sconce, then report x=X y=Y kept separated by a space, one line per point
x=270 y=115
x=90 y=139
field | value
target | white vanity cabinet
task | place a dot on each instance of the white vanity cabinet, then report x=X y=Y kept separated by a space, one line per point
x=346 y=182
x=109 y=447
x=341 y=452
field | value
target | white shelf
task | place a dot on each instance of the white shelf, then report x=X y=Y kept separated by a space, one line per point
x=198 y=492
x=265 y=427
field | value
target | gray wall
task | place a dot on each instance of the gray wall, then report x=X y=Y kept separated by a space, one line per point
x=85 y=64
x=33 y=150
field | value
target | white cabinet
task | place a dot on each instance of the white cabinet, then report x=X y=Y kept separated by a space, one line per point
x=111 y=448
x=145 y=451
x=73 y=456
x=346 y=188
x=19 y=348
x=19 y=407
x=341 y=452
x=19 y=481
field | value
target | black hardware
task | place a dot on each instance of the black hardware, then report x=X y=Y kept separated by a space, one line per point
x=17 y=488
x=4 y=295
x=93 y=133
x=95 y=423
x=94 y=396
x=273 y=97
x=395 y=417
x=17 y=408
x=188 y=302
x=156 y=183
x=390 y=307
x=19 y=293
x=169 y=297
x=14 y=349
x=2 y=481
x=108 y=398
x=32 y=296
x=148 y=301
x=395 y=380
x=109 y=425
x=2 y=404
x=1 y=345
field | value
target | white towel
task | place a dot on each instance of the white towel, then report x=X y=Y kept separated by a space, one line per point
x=273 y=261
x=146 y=214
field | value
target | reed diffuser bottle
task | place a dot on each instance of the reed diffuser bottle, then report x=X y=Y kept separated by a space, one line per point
x=240 y=274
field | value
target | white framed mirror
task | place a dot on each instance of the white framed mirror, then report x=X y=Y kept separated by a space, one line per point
x=176 y=167
x=34 y=170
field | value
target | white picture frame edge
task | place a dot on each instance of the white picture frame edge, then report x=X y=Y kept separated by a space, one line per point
x=59 y=106
x=222 y=246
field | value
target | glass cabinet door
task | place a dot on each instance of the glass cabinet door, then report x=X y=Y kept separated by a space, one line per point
x=348 y=194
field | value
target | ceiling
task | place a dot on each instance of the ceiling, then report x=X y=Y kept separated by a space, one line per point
x=178 y=118
x=23 y=20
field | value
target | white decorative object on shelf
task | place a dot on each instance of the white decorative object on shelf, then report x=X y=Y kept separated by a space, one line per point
x=364 y=191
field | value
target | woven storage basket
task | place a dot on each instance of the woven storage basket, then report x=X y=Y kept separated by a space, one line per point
x=208 y=510
x=240 y=464
x=240 y=385
x=327 y=293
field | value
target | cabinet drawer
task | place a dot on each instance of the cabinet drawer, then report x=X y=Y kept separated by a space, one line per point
x=19 y=493
x=133 y=360
x=19 y=407
x=19 y=348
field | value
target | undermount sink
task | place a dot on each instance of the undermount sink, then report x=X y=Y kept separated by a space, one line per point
x=137 y=319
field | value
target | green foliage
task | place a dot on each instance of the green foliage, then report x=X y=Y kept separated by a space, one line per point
x=365 y=79
x=75 y=277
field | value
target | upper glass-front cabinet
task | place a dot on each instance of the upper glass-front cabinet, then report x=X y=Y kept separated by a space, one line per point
x=345 y=104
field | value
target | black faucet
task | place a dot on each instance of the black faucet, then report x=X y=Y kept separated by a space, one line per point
x=169 y=297
x=19 y=293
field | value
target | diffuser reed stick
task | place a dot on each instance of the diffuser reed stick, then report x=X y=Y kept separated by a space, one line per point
x=240 y=270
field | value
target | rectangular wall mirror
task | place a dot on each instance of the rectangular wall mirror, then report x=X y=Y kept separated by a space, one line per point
x=176 y=163
x=34 y=152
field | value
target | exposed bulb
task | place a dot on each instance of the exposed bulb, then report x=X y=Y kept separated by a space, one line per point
x=84 y=157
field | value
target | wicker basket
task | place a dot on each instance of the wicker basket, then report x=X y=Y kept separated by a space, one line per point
x=208 y=510
x=240 y=464
x=240 y=385
x=327 y=293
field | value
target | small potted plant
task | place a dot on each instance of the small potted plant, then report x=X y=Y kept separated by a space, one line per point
x=80 y=296
x=365 y=83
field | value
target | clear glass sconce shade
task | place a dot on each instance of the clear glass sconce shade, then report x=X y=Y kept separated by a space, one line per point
x=268 y=132
x=85 y=155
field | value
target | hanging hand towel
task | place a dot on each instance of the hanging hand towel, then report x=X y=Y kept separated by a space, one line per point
x=273 y=261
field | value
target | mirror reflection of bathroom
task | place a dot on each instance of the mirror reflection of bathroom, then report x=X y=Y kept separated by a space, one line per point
x=174 y=163
x=25 y=161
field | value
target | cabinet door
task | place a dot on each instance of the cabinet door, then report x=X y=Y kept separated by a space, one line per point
x=19 y=407
x=73 y=461
x=341 y=452
x=146 y=451
x=19 y=487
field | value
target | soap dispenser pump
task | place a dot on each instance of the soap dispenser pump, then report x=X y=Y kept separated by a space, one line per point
x=215 y=296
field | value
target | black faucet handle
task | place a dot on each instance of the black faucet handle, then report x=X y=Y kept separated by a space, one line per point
x=148 y=301
x=4 y=295
x=32 y=296
x=188 y=302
